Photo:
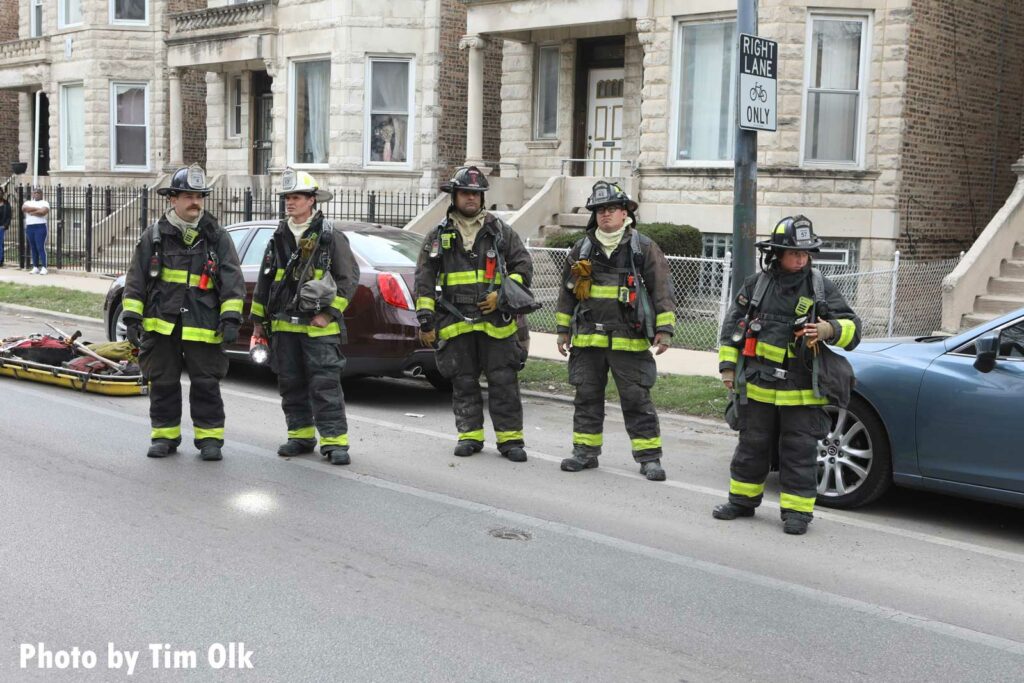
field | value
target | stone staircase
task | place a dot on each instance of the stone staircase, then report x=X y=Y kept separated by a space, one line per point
x=1005 y=292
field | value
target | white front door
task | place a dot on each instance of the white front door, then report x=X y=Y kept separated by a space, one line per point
x=604 y=122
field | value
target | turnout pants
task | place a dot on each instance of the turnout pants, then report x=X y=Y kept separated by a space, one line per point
x=634 y=373
x=162 y=358
x=309 y=381
x=794 y=431
x=461 y=360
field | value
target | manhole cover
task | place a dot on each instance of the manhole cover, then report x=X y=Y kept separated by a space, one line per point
x=507 y=534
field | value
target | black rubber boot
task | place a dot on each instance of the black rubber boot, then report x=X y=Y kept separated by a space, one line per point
x=210 y=452
x=516 y=454
x=729 y=511
x=795 y=522
x=579 y=462
x=652 y=470
x=467 y=448
x=338 y=455
x=161 y=448
x=294 y=447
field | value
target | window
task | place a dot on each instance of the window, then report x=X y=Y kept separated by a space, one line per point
x=235 y=107
x=1011 y=342
x=69 y=12
x=238 y=236
x=36 y=18
x=836 y=63
x=72 y=127
x=128 y=11
x=389 y=124
x=130 y=141
x=258 y=246
x=310 y=119
x=704 y=117
x=546 y=116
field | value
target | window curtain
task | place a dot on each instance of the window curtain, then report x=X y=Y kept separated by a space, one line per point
x=389 y=107
x=131 y=126
x=72 y=11
x=706 y=103
x=318 y=94
x=547 y=91
x=832 y=116
x=74 y=126
x=130 y=10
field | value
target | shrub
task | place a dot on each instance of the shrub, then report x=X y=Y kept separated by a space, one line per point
x=677 y=240
x=564 y=239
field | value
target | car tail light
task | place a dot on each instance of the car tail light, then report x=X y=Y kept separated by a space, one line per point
x=393 y=291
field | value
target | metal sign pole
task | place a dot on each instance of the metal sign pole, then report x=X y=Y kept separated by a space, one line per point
x=744 y=212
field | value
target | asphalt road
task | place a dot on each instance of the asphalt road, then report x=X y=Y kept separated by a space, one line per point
x=414 y=565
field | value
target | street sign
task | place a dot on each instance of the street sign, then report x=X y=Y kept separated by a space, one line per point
x=758 y=94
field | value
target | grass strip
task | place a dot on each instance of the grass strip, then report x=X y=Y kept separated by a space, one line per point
x=58 y=299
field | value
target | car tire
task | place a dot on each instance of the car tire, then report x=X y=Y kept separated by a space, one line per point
x=855 y=457
x=438 y=382
x=117 y=331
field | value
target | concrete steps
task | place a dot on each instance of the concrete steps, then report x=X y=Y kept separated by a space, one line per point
x=1004 y=294
x=975 y=319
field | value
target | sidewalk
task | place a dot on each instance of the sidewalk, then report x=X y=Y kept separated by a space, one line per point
x=542 y=345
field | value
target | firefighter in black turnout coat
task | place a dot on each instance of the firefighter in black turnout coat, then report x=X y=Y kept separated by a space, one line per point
x=307 y=279
x=457 y=278
x=770 y=357
x=183 y=298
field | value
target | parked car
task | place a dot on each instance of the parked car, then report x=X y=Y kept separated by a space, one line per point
x=935 y=413
x=380 y=321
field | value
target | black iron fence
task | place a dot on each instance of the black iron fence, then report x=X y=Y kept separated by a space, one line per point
x=95 y=228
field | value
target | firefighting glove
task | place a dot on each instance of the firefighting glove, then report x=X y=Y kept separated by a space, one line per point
x=133 y=331
x=582 y=271
x=728 y=377
x=228 y=330
x=563 y=343
x=825 y=332
x=428 y=337
x=489 y=304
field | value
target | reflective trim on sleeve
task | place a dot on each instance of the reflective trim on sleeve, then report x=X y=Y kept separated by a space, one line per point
x=231 y=306
x=728 y=354
x=582 y=439
x=665 y=319
x=787 y=501
x=132 y=305
x=742 y=488
x=517 y=277
x=340 y=303
x=646 y=444
x=563 y=319
x=847 y=331
x=475 y=435
x=257 y=309
x=279 y=274
x=425 y=303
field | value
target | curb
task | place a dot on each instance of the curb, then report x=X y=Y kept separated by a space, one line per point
x=28 y=310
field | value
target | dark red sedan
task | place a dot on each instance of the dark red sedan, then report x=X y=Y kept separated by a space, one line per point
x=381 y=319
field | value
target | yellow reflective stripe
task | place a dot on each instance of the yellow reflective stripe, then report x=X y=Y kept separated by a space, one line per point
x=645 y=444
x=776 y=354
x=848 y=329
x=309 y=330
x=787 y=501
x=742 y=488
x=627 y=344
x=200 y=334
x=563 y=319
x=789 y=397
x=487 y=328
x=257 y=309
x=475 y=435
x=665 y=319
x=579 y=438
x=517 y=277
x=502 y=437
x=157 y=325
x=340 y=440
x=209 y=433
x=590 y=340
x=165 y=432
x=279 y=274
x=425 y=303
x=132 y=305
x=231 y=305
x=340 y=303
x=470 y=277
x=302 y=433
x=604 y=292
x=728 y=354
x=174 y=276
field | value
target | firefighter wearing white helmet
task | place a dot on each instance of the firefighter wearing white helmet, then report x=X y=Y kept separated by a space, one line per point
x=307 y=278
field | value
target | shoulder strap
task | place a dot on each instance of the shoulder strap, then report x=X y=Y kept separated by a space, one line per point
x=818 y=284
x=759 y=290
x=586 y=247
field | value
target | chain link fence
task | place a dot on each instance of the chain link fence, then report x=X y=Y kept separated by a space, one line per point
x=902 y=300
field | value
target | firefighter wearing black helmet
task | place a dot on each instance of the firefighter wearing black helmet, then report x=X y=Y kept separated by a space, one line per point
x=767 y=357
x=182 y=299
x=457 y=278
x=615 y=305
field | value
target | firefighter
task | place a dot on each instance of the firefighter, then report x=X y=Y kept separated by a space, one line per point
x=183 y=299
x=768 y=358
x=616 y=304
x=457 y=277
x=307 y=279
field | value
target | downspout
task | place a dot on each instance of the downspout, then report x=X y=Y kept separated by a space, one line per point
x=35 y=143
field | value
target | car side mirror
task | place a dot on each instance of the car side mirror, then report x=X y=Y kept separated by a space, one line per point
x=987 y=347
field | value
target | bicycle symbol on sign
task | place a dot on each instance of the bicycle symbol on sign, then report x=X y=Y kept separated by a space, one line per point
x=759 y=93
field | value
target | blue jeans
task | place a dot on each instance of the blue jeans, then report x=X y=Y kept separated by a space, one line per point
x=36 y=235
x=2 y=231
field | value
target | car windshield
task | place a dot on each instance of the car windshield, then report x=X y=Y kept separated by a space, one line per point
x=387 y=249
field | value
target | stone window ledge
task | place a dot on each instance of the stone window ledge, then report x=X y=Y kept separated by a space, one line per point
x=543 y=144
x=767 y=171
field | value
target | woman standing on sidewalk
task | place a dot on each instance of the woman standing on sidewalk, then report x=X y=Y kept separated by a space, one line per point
x=5 y=222
x=36 y=211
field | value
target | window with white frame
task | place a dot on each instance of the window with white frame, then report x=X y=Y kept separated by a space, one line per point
x=389 y=111
x=310 y=109
x=36 y=18
x=69 y=12
x=836 y=65
x=546 y=99
x=72 y=127
x=704 y=84
x=235 y=107
x=129 y=130
x=129 y=11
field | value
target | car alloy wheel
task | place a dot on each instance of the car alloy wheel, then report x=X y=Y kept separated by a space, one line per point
x=120 y=329
x=845 y=456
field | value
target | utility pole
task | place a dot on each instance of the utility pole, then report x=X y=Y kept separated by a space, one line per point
x=744 y=202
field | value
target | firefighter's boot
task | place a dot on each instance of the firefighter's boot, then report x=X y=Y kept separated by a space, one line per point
x=579 y=461
x=210 y=452
x=467 y=448
x=795 y=522
x=161 y=448
x=338 y=455
x=294 y=447
x=652 y=470
x=515 y=454
x=729 y=511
